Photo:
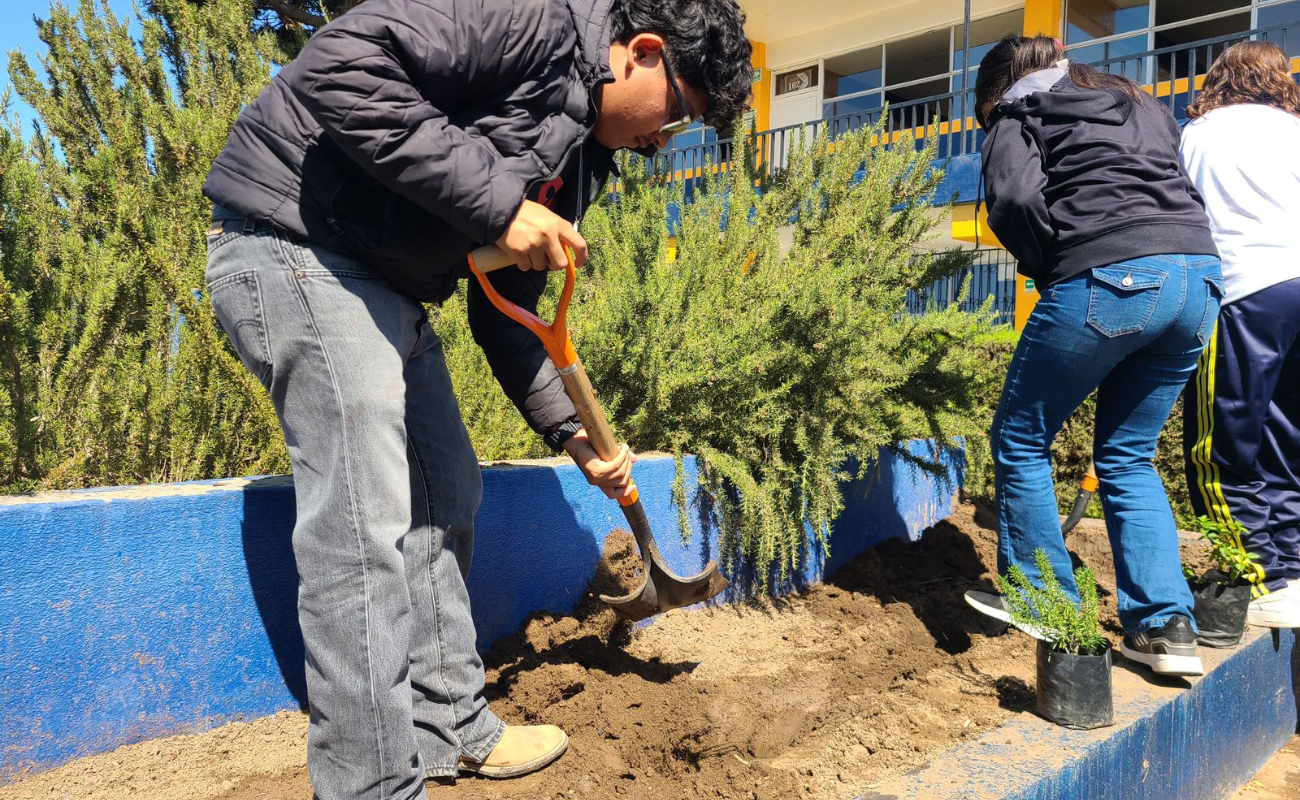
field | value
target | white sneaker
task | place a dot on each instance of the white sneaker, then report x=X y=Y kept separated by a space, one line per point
x=1280 y=609
x=993 y=605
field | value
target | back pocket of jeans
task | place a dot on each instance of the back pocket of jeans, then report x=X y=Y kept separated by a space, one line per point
x=1213 y=300
x=237 y=300
x=1121 y=300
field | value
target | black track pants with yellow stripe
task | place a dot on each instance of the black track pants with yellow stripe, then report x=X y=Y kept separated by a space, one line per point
x=1241 y=429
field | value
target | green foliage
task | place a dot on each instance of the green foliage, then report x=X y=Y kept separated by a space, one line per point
x=777 y=349
x=291 y=22
x=1069 y=628
x=112 y=365
x=1227 y=552
x=776 y=363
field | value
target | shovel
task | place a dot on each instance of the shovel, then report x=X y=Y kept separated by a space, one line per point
x=1087 y=487
x=663 y=589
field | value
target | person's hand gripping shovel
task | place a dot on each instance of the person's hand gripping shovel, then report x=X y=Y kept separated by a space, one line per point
x=663 y=589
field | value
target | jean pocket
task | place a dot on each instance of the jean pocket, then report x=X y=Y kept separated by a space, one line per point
x=315 y=261
x=1213 y=300
x=1122 y=299
x=237 y=300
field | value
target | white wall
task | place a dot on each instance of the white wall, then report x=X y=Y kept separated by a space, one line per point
x=891 y=23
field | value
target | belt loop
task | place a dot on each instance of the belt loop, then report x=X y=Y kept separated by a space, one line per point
x=250 y=225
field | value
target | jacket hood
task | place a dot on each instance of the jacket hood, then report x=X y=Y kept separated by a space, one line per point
x=591 y=19
x=1050 y=95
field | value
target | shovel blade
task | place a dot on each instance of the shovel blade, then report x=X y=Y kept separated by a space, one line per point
x=664 y=590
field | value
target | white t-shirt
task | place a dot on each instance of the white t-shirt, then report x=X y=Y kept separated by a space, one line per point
x=1245 y=161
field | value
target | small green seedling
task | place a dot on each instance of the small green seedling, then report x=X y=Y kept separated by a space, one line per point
x=1226 y=550
x=1069 y=628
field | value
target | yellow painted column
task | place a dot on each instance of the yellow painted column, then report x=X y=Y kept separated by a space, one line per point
x=1042 y=18
x=762 y=87
x=1045 y=18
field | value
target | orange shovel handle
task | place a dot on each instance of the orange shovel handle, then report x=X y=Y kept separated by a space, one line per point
x=555 y=337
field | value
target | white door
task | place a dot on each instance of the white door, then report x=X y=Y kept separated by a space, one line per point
x=797 y=98
x=791 y=109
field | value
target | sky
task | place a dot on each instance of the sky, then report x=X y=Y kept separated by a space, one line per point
x=18 y=31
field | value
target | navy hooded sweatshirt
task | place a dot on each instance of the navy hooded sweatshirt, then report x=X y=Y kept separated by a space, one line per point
x=1079 y=178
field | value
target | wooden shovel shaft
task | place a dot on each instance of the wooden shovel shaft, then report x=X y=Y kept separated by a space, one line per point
x=578 y=387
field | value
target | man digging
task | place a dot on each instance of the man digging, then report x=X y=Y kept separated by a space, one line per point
x=407 y=133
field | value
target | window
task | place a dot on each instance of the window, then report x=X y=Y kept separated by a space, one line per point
x=1086 y=20
x=695 y=135
x=984 y=33
x=853 y=82
x=1288 y=38
x=855 y=72
x=918 y=57
x=1172 y=12
x=1132 y=68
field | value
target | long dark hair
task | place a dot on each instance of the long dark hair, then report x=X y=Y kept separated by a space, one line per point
x=1016 y=56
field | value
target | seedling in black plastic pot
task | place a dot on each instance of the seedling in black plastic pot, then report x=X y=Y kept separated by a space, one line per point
x=1222 y=593
x=1074 y=662
x=1231 y=560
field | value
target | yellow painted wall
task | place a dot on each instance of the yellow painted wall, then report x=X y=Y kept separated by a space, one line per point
x=1044 y=17
x=965 y=228
x=762 y=89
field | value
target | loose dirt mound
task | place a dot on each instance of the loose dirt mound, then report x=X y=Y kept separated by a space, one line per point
x=819 y=695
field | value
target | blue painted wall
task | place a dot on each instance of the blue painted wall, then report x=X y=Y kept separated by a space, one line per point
x=138 y=612
x=961 y=179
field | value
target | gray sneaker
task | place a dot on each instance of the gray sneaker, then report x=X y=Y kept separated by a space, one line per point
x=1167 y=650
x=993 y=605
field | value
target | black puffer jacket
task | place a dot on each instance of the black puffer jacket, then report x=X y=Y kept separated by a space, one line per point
x=408 y=132
x=1078 y=178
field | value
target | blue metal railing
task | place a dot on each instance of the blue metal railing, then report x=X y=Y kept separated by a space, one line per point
x=1168 y=72
x=993 y=274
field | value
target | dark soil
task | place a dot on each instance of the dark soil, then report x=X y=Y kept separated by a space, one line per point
x=818 y=695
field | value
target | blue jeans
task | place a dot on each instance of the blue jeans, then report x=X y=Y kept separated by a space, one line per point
x=387 y=485
x=1132 y=331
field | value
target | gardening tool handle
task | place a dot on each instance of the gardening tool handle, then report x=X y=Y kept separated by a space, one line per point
x=578 y=387
x=555 y=337
x=560 y=348
x=490 y=258
x=1089 y=482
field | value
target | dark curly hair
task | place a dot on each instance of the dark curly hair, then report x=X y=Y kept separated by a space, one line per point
x=1250 y=72
x=706 y=42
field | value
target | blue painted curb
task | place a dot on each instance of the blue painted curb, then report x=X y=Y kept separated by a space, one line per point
x=137 y=612
x=1170 y=741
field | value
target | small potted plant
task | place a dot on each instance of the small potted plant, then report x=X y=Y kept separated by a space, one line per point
x=1074 y=658
x=1222 y=593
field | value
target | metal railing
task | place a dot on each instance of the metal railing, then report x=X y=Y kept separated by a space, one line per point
x=1170 y=73
x=772 y=147
x=1173 y=73
x=993 y=274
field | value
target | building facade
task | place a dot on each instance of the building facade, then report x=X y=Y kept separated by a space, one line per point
x=841 y=63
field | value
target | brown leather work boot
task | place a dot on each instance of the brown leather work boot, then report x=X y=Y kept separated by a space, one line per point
x=521 y=750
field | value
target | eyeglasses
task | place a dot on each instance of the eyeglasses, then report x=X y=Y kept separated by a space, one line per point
x=674 y=128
